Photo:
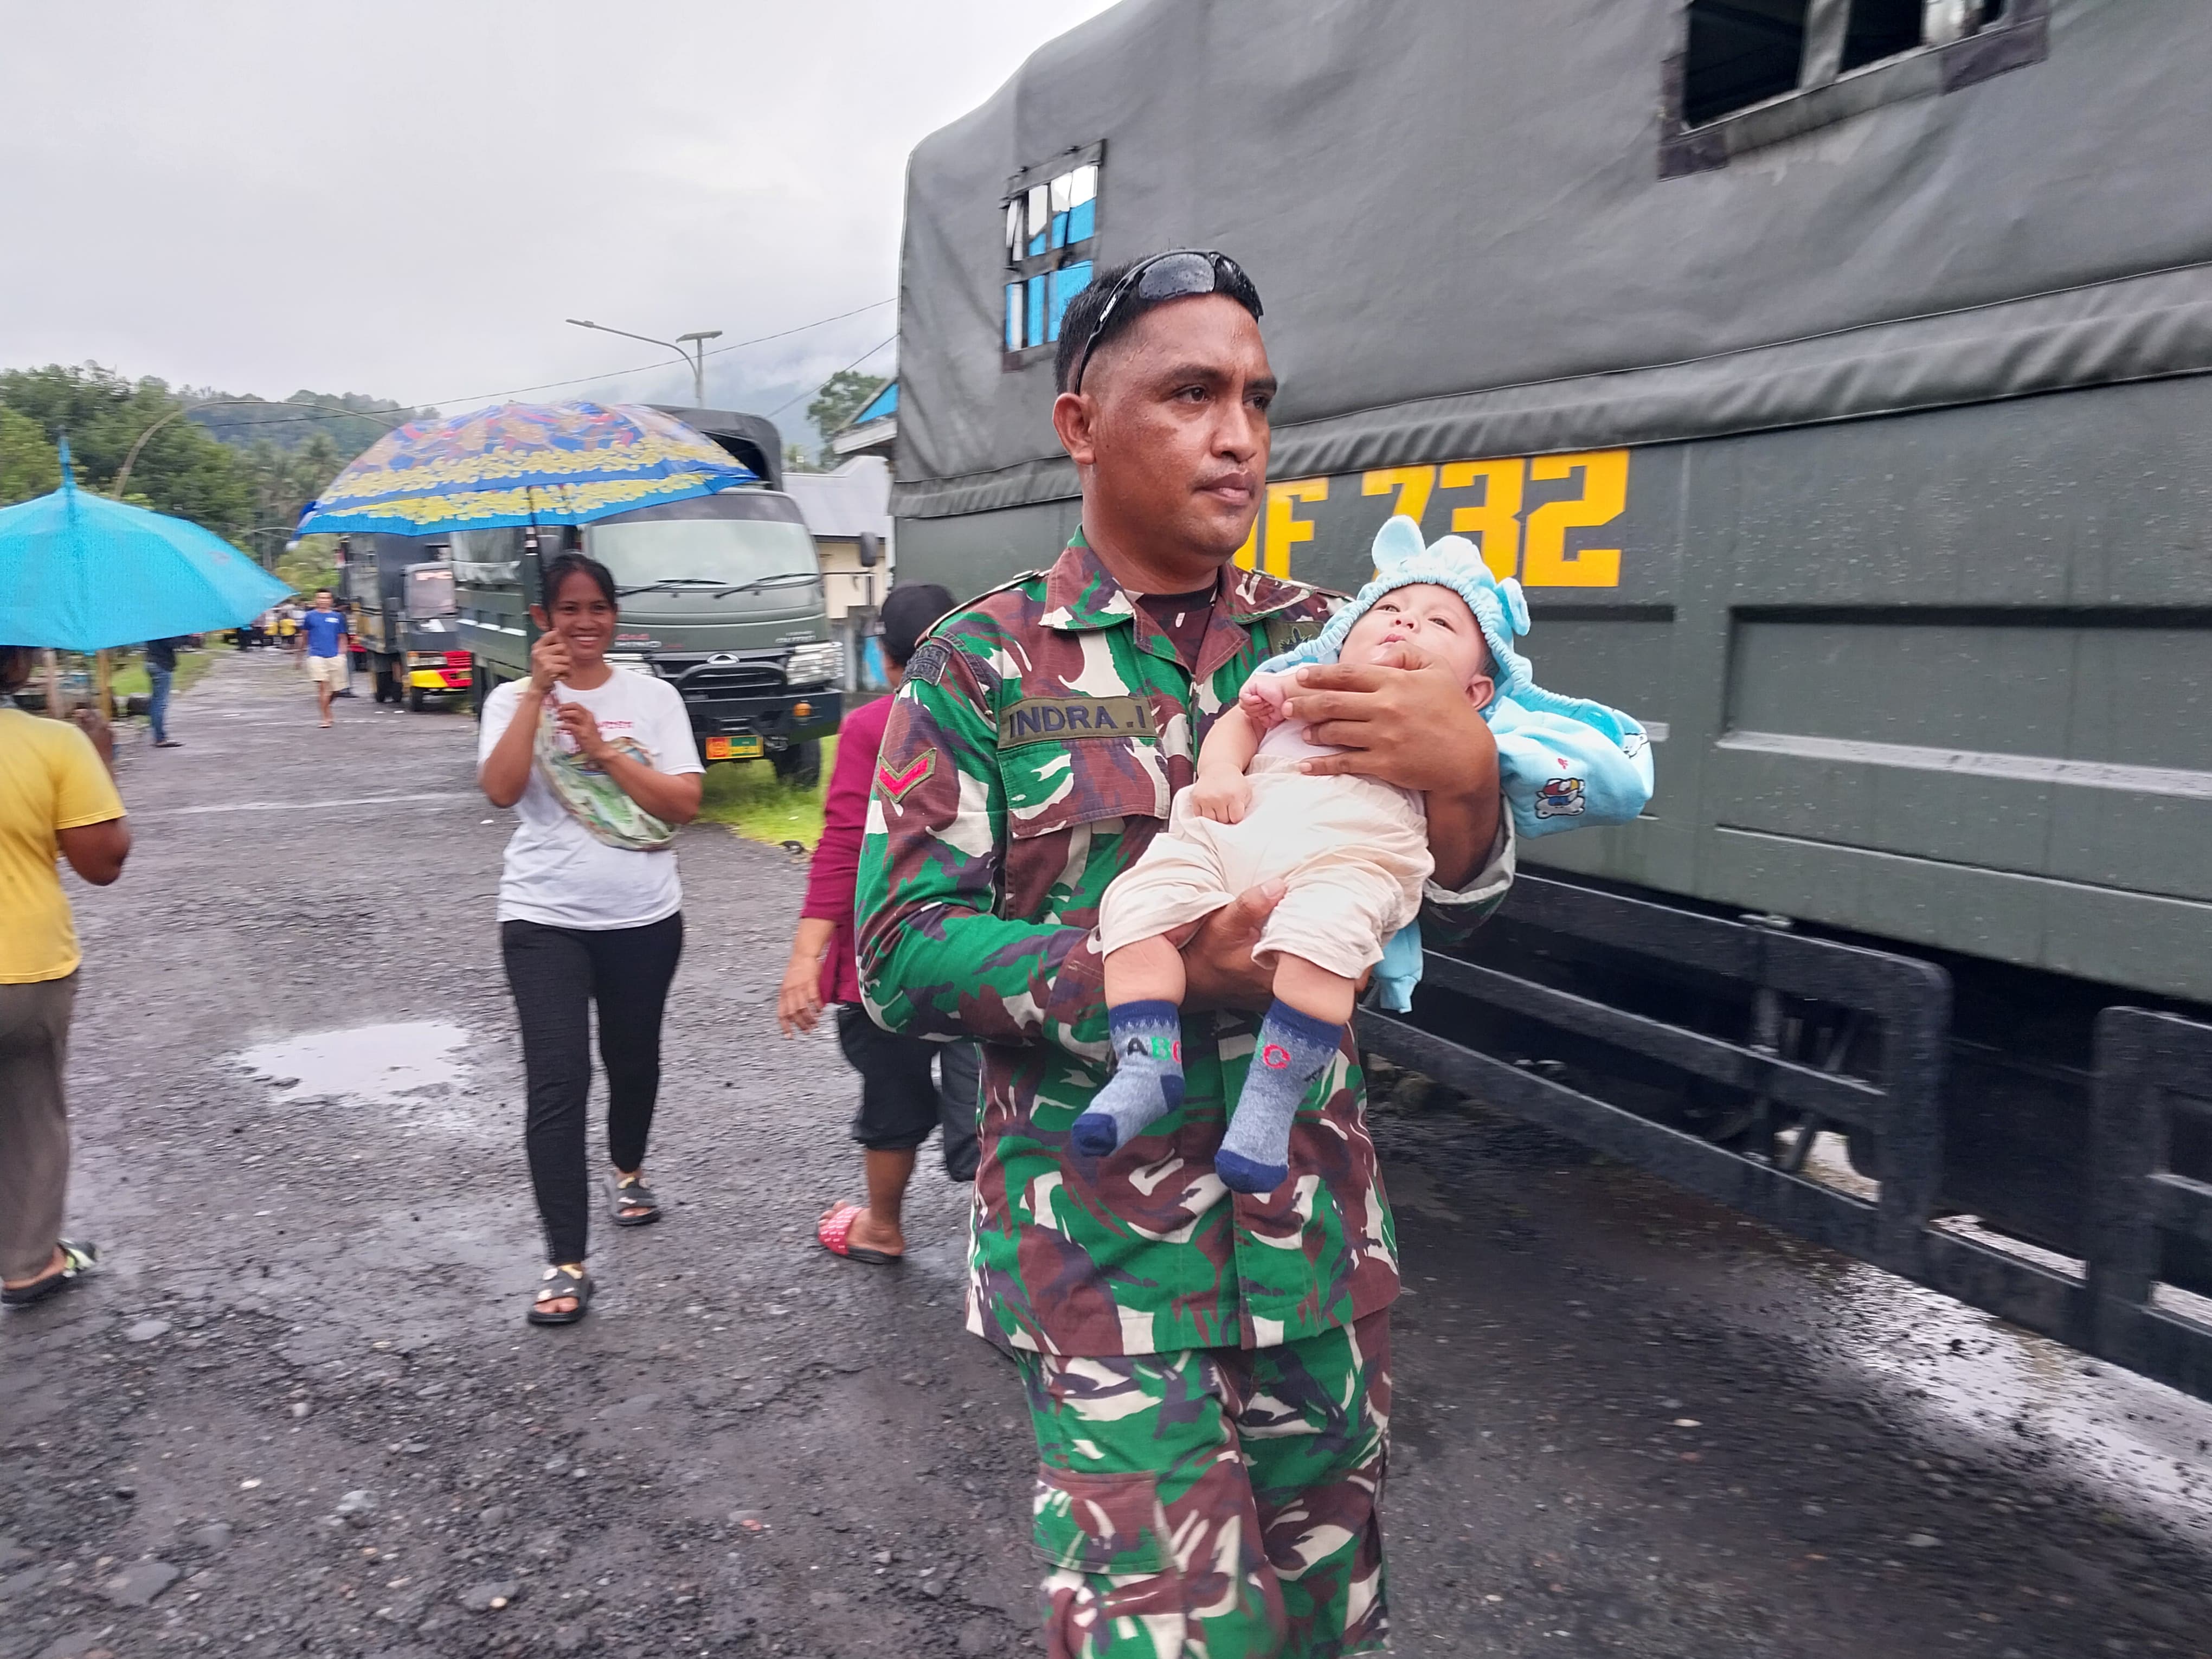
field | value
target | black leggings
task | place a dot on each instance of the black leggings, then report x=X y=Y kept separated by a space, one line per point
x=555 y=973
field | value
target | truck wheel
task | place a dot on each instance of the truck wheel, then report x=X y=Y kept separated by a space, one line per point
x=477 y=689
x=415 y=699
x=799 y=766
x=386 y=690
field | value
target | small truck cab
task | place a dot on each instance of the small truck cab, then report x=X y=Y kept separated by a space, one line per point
x=721 y=596
x=401 y=590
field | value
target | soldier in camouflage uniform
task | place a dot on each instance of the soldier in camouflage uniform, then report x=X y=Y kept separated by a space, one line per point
x=1207 y=1372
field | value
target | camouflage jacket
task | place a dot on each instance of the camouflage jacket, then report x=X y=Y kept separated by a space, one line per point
x=1029 y=758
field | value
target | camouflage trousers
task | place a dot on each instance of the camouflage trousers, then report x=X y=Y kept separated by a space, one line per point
x=1216 y=1503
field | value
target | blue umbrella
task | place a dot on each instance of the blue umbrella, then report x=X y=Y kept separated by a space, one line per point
x=82 y=573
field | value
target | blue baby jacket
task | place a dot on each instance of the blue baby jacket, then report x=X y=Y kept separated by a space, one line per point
x=1563 y=762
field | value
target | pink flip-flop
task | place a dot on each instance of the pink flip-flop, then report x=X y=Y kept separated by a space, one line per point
x=834 y=1233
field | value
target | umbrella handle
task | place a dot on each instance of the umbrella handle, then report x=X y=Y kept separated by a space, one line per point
x=533 y=552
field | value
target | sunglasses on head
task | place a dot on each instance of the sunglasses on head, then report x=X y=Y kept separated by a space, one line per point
x=1179 y=274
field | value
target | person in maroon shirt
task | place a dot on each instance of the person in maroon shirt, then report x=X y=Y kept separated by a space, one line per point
x=900 y=1102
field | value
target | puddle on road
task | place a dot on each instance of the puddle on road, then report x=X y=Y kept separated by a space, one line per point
x=373 y=1064
x=1903 y=1351
x=1999 y=1382
x=1981 y=1373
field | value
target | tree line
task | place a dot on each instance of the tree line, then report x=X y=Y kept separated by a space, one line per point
x=241 y=467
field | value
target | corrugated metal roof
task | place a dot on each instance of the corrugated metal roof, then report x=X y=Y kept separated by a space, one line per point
x=841 y=505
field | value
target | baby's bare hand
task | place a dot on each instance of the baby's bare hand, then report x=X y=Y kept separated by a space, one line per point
x=1222 y=800
x=1261 y=699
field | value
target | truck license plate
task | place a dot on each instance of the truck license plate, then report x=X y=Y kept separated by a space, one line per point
x=747 y=747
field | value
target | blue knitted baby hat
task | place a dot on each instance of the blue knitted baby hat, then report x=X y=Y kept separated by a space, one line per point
x=1403 y=560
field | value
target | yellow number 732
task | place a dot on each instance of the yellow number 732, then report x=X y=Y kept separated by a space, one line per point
x=1538 y=552
x=1531 y=544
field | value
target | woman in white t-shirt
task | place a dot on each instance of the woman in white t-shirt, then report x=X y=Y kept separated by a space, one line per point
x=599 y=766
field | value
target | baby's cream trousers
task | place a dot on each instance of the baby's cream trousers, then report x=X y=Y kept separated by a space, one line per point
x=1353 y=854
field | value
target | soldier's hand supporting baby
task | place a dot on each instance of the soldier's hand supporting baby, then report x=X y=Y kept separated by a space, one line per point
x=1218 y=969
x=1352 y=851
x=1328 y=780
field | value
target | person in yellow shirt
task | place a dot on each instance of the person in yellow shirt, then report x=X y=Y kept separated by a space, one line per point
x=58 y=800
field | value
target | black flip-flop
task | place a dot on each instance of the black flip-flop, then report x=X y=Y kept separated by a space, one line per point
x=632 y=1193
x=561 y=1283
x=78 y=1259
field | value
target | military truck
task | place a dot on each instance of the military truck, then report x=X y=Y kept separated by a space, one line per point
x=1837 y=377
x=721 y=597
x=404 y=618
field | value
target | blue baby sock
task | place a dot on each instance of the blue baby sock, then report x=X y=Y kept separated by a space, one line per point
x=1256 y=1154
x=1147 y=1080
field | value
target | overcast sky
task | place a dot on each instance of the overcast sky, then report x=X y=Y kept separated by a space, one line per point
x=406 y=199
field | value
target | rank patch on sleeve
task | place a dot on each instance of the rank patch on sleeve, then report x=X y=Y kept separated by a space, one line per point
x=894 y=781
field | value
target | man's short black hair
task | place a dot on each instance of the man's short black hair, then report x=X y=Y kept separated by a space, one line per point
x=908 y=612
x=1080 y=321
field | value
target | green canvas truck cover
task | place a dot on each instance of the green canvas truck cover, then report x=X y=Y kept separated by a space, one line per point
x=1456 y=213
x=1859 y=443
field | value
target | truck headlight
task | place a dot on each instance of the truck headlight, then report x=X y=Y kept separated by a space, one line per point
x=812 y=665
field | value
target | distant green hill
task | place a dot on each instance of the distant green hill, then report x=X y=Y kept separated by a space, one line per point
x=242 y=420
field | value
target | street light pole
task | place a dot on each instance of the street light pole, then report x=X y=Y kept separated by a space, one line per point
x=699 y=363
x=696 y=358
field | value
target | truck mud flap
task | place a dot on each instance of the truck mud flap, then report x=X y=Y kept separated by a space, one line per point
x=1893 y=1110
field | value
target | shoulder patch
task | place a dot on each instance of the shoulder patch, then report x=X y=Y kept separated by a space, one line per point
x=1287 y=634
x=936 y=650
x=929 y=661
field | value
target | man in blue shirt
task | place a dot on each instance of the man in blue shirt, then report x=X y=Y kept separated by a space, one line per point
x=326 y=627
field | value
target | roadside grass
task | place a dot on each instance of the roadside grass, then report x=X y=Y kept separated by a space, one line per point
x=746 y=796
x=192 y=666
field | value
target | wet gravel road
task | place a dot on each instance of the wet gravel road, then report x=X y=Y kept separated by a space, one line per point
x=298 y=1414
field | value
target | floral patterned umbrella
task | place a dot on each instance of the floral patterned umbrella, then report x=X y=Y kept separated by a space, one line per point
x=519 y=464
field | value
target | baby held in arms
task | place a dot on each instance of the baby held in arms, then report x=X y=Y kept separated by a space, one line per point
x=1352 y=852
